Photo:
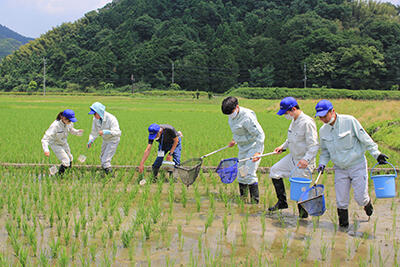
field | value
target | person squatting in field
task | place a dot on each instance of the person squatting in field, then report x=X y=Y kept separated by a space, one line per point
x=344 y=142
x=302 y=141
x=249 y=136
x=106 y=125
x=169 y=141
x=56 y=137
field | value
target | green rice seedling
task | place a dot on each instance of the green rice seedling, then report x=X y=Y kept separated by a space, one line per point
x=243 y=226
x=155 y=211
x=23 y=256
x=382 y=261
x=83 y=222
x=31 y=234
x=110 y=231
x=323 y=250
x=93 y=252
x=104 y=239
x=189 y=217
x=77 y=228
x=200 y=243
x=212 y=201
x=181 y=240
x=147 y=229
x=197 y=198
x=117 y=220
x=54 y=247
x=285 y=246
x=263 y=224
x=85 y=238
x=209 y=220
x=307 y=247
x=74 y=249
x=59 y=228
x=104 y=214
x=281 y=219
x=43 y=262
x=184 y=195
x=66 y=221
x=84 y=262
x=225 y=223
x=63 y=259
x=375 y=224
x=67 y=237
x=126 y=238
x=114 y=249
x=371 y=252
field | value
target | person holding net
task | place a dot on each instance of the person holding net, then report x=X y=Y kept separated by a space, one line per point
x=169 y=141
x=302 y=142
x=249 y=136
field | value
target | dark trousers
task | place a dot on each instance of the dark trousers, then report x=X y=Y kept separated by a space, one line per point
x=176 y=156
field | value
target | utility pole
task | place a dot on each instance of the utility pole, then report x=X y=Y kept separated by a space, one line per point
x=305 y=75
x=173 y=70
x=133 y=83
x=44 y=76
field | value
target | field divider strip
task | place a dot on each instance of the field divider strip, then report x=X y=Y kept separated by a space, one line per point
x=148 y=168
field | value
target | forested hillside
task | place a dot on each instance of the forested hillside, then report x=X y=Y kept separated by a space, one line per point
x=10 y=41
x=214 y=45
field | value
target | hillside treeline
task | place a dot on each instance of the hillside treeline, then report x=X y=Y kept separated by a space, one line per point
x=214 y=45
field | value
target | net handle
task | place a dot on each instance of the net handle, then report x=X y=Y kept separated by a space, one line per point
x=260 y=156
x=395 y=172
x=316 y=181
x=218 y=150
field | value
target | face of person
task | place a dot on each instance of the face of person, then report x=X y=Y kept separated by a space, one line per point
x=65 y=120
x=328 y=116
x=97 y=116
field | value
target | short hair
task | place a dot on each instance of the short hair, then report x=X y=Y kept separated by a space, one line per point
x=229 y=104
x=297 y=106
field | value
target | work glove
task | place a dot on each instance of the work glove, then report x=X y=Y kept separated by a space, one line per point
x=321 y=168
x=382 y=159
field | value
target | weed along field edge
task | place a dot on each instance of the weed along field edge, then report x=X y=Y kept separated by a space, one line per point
x=88 y=219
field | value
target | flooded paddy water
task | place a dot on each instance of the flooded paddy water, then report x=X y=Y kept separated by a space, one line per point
x=85 y=219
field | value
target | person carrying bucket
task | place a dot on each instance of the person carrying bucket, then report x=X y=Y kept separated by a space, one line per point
x=106 y=125
x=169 y=141
x=56 y=137
x=249 y=136
x=302 y=141
x=344 y=142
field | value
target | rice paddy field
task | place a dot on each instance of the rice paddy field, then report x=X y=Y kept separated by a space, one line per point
x=86 y=219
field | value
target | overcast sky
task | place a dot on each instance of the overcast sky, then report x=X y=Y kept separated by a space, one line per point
x=32 y=18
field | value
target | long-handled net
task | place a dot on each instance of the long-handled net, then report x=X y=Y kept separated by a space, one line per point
x=228 y=168
x=189 y=169
x=313 y=199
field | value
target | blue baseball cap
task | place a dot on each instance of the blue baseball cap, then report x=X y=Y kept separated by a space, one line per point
x=69 y=114
x=286 y=104
x=323 y=107
x=153 y=130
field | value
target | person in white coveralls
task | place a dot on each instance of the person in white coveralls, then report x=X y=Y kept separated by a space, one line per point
x=106 y=125
x=56 y=137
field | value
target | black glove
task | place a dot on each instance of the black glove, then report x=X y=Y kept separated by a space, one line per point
x=382 y=159
x=321 y=168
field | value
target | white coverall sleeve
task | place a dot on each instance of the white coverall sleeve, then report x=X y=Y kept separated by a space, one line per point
x=311 y=141
x=73 y=131
x=115 y=131
x=95 y=132
x=324 y=156
x=365 y=139
x=256 y=131
x=46 y=137
x=285 y=144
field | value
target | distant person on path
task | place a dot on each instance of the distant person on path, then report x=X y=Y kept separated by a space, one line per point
x=249 y=136
x=105 y=125
x=56 y=137
x=169 y=141
x=302 y=141
x=344 y=142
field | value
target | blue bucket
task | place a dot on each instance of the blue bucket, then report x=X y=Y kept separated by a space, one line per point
x=298 y=185
x=385 y=186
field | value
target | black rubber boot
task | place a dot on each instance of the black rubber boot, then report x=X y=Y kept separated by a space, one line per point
x=254 y=194
x=108 y=170
x=343 y=217
x=61 y=170
x=244 y=191
x=302 y=212
x=281 y=194
x=369 y=209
